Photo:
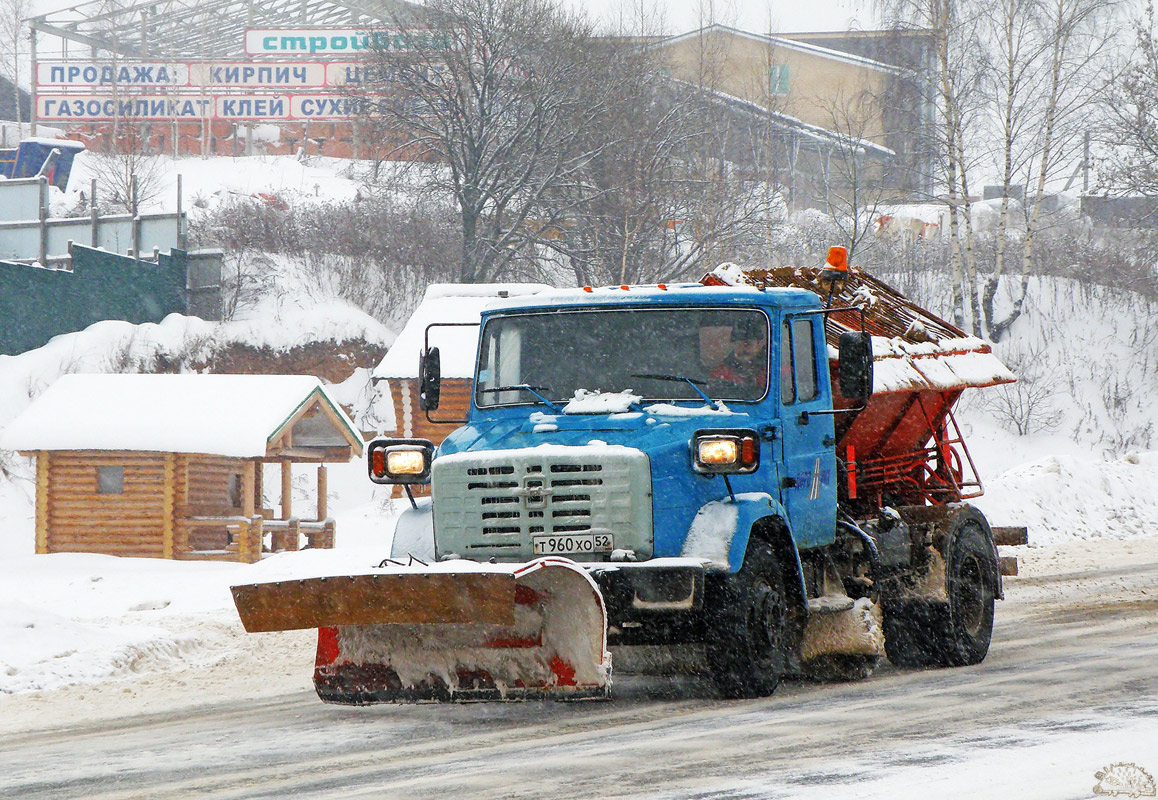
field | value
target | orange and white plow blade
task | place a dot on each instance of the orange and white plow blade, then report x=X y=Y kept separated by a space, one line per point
x=446 y=632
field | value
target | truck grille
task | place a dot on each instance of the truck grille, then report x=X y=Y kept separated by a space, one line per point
x=495 y=503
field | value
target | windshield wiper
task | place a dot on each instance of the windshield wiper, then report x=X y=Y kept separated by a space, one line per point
x=526 y=387
x=695 y=383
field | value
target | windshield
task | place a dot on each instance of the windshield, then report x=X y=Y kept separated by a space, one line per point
x=654 y=353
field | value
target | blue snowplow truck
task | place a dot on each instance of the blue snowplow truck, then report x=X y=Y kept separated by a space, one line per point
x=751 y=477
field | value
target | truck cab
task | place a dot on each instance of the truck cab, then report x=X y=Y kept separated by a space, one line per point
x=645 y=379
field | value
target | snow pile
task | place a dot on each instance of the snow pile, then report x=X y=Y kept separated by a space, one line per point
x=670 y=410
x=585 y=402
x=77 y=618
x=292 y=316
x=730 y=273
x=1063 y=497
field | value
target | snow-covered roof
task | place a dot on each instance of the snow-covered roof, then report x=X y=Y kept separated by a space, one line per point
x=784 y=43
x=448 y=303
x=238 y=416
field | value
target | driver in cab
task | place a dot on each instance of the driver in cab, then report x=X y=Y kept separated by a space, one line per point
x=746 y=365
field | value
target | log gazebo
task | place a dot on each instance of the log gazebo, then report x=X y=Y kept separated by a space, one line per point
x=171 y=466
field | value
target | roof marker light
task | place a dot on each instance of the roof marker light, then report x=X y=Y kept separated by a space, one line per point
x=588 y=289
x=833 y=276
x=625 y=287
x=662 y=286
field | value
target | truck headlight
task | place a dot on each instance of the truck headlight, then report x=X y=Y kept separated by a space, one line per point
x=393 y=461
x=726 y=452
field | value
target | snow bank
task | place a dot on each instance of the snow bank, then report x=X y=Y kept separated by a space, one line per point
x=1062 y=498
x=77 y=618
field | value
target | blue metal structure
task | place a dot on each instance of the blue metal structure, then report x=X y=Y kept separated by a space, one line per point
x=798 y=461
x=28 y=159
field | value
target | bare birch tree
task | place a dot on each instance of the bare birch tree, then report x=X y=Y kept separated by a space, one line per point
x=1040 y=60
x=952 y=27
x=1067 y=40
x=1017 y=79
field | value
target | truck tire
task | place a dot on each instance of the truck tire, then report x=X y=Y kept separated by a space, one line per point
x=749 y=628
x=972 y=593
x=922 y=633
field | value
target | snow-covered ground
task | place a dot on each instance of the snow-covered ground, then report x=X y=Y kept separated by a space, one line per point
x=75 y=620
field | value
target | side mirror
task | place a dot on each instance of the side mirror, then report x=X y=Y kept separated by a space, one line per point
x=429 y=379
x=856 y=365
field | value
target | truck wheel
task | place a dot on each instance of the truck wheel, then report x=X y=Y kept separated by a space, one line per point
x=920 y=633
x=971 y=597
x=747 y=647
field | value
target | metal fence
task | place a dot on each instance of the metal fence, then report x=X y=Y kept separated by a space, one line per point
x=29 y=233
x=38 y=302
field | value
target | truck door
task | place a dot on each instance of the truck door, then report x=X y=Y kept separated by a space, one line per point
x=808 y=480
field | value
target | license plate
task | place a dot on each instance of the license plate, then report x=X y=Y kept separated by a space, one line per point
x=574 y=543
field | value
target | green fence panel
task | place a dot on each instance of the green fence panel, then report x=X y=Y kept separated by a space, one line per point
x=37 y=304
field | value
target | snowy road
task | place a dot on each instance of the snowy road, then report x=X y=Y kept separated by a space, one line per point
x=1068 y=689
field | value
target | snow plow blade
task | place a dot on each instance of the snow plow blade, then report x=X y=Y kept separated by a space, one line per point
x=447 y=632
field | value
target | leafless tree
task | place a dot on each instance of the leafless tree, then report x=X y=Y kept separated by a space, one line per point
x=853 y=177
x=13 y=35
x=664 y=192
x=490 y=98
x=1031 y=404
x=130 y=177
x=1131 y=163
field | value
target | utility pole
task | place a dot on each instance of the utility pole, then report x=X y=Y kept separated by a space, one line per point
x=31 y=84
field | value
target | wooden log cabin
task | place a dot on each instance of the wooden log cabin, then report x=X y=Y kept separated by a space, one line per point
x=447 y=318
x=172 y=466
